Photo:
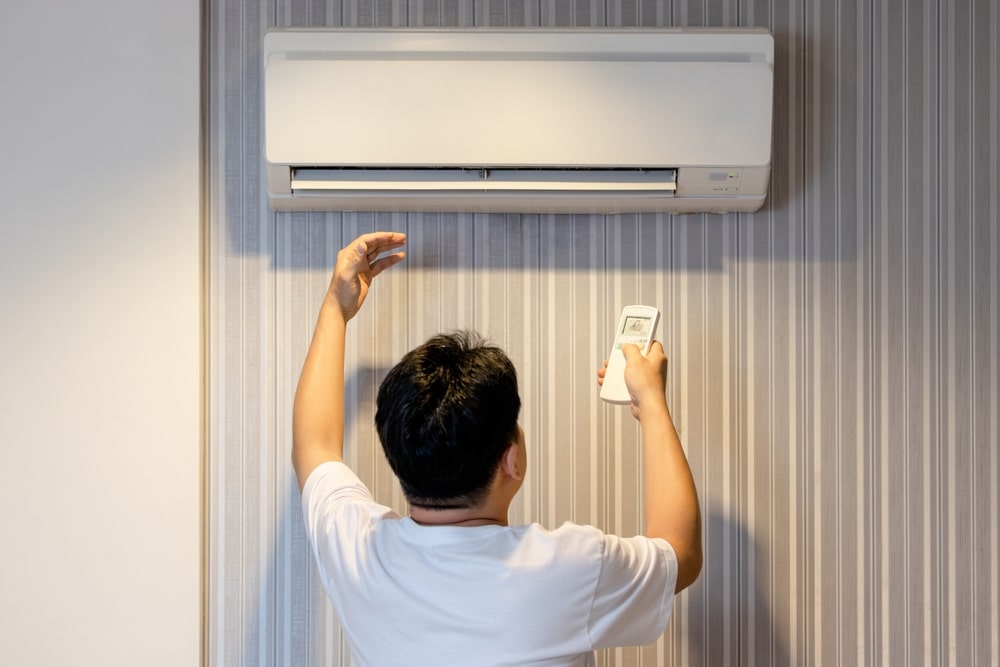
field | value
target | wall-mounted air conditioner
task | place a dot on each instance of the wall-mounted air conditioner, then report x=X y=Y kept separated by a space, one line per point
x=528 y=120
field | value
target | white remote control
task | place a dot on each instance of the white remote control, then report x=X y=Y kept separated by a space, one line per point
x=636 y=326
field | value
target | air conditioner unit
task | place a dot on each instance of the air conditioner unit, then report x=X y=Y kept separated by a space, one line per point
x=526 y=120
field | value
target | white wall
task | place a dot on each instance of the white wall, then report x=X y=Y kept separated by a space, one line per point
x=100 y=370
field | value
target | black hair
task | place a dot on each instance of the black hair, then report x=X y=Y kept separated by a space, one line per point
x=445 y=414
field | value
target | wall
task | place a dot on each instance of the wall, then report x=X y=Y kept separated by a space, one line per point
x=100 y=334
x=834 y=366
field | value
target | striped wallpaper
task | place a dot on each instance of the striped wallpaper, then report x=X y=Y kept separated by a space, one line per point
x=834 y=357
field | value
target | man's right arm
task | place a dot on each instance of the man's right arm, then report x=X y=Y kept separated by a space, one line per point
x=670 y=496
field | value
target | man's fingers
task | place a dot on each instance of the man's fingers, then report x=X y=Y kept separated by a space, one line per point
x=375 y=243
x=630 y=351
x=370 y=246
x=383 y=263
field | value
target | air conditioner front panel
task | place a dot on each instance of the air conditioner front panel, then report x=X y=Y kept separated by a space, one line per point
x=519 y=113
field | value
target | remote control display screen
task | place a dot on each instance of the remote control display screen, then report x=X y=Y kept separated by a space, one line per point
x=636 y=326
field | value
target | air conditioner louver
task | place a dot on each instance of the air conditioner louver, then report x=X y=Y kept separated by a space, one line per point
x=512 y=181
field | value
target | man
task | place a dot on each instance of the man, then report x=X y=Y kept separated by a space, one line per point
x=453 y=583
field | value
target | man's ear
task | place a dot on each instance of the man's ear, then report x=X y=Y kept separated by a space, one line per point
x=510 y=464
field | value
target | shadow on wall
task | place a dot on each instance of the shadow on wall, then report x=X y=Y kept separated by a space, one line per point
x=740 y=628
x=640 y=243
x=285 y=616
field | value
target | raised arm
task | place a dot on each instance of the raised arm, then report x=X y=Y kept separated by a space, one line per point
x=670 y=496
x=318 y=412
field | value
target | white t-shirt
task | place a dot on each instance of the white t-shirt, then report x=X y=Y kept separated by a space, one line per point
x=407 y=594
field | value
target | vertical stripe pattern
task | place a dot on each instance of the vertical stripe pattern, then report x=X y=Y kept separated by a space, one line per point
x=834 y=357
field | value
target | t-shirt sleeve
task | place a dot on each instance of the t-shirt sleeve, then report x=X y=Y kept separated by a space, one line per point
x=635 y=591
x=330 y=484
x=336 y=504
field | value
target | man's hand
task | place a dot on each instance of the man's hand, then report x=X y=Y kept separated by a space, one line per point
x=645 y=377
x=357 y=265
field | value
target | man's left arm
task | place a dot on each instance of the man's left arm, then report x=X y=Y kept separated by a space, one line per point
x=318 y=411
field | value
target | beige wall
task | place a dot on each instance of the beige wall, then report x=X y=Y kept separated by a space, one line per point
x=834 y=366
x=100 y=333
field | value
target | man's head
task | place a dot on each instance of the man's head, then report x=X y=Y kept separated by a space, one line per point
x=445 y=414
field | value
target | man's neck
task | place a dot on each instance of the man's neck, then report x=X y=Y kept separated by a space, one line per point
x=491 y=511
x=464 y=516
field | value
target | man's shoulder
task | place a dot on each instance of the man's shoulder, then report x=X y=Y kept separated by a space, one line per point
x=567 y=542
x=572 y=530
x=330 y=471
x=589 y=539
x=332 y=478
x=332 y=489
